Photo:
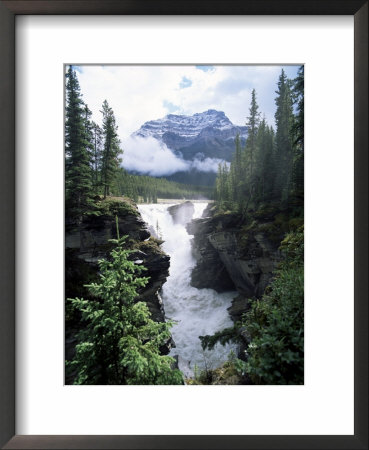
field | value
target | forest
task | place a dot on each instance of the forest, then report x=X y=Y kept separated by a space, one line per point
x=262 y=189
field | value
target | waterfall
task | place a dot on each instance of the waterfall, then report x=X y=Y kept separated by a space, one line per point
x=197 y=312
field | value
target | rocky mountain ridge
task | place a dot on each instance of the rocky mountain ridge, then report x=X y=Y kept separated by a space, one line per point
x=209 y=134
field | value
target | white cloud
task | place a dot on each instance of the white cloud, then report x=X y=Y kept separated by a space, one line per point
x=141 y=93
x=150 y=157
x=207 y=164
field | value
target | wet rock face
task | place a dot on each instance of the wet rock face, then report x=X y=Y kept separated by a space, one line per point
x=239 y=306
x=224 y=264
x=157 y=265
x=182 y=213
x=250 y=273
x=92 y=238
x=209 y=271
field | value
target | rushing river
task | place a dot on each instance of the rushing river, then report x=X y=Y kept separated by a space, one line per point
x=197 y=312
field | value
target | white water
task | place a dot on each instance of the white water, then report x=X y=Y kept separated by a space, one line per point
x=198 y=312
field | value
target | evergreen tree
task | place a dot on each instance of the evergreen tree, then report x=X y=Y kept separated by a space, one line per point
x=283 y=141
x=97 y=155
x=252 y=124
x=247 y=181
x=111 y=151
x=297 y=133
x=77 y=150
x=222 y=183
x=119 y=343
x=236 y=179
x=264 y=163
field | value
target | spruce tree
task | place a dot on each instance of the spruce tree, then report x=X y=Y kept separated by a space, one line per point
x=119 y=342
x=236 y=174
x=252 y=124
x=264 y=167
x=78 y=182
x=283 y=141
x=111 y=149
x=97 y=152
x=297 y=133
x=253 y=121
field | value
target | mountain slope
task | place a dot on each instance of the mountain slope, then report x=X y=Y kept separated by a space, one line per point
x=204 y=135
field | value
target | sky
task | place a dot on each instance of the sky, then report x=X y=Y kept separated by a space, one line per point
x=139 y=93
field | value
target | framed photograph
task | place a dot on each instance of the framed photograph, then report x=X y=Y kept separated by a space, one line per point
x=184 y=225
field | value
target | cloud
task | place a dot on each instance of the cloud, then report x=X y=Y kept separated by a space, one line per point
x=150 y=157
x=138 y=94
x=207 y=164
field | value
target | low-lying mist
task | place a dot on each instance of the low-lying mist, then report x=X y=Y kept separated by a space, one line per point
x=150 y=157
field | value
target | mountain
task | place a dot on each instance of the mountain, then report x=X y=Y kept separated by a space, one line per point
x=203 y=136
x=209 y=133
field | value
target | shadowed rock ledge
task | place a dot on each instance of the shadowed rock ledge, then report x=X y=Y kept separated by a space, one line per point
x=234 y=255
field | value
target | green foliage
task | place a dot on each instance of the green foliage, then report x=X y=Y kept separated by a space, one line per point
x=97 y=156
x=119 y=342
x=78 y=174
x=115 y=207
x=297 y=134
x=231 y=372
x=271 y=165
x=231 y=334
x=283 y=142
x=111 y=149
x=142 y=188
x=275 y=323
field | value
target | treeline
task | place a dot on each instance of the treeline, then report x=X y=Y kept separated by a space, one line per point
x=91 y=152
x=270 y=167
x=141 y=188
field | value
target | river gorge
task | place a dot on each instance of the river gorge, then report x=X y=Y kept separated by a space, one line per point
x=196 y=312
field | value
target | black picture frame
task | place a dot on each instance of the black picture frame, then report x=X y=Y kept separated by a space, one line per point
x=8 y=11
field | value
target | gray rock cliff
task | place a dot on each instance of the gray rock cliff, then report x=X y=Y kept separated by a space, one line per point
x=225 y=261
x=88 y=243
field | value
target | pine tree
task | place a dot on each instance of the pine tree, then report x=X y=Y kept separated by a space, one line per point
x=222 y=183
x=283 y=141
x=119 y=343
x=97 y=155
x=297 y=133
x=252 y=124
x=236 y=179
x=111 y=151
x=77 y=151
x=248 y=181
x=264 y=164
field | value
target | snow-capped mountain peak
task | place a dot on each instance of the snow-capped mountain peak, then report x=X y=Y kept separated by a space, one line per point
x=188 y=128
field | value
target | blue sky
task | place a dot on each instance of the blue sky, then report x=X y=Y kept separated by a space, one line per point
x=147 y=92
